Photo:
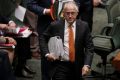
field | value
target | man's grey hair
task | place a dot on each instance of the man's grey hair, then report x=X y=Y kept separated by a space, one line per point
x=71 y=3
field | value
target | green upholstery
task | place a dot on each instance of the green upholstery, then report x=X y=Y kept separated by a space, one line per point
x=109 y=43
x=115 y=33
x=113 y=11
x=112 y=8
x=104 y=45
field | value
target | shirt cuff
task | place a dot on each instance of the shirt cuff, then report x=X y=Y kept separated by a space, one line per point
x=10 y=21
x=44 y=11
x=46 y=54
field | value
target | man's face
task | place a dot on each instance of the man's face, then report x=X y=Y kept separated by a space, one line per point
x=70 y=14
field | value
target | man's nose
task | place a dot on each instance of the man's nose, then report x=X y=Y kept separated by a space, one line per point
x=70 y=14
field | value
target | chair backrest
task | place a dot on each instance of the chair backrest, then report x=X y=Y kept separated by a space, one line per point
x=112 y=7
x=115 y=33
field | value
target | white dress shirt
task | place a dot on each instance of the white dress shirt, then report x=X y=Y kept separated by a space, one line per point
x=65 y=55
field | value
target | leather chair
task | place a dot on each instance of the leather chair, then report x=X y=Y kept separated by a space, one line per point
x=112 y=8
x=104 y=45
x=113 y=11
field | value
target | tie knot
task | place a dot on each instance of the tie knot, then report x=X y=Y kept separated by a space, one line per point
x=70 y=26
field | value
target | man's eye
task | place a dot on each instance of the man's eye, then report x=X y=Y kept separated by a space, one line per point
x=72 y=13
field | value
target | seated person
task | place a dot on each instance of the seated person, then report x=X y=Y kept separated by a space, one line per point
x=5 y=24
x=7 y=8
x=10 y=51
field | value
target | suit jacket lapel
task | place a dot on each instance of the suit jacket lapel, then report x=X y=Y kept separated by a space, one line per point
x=62 y=29
x=77 y=33
x=62 y=26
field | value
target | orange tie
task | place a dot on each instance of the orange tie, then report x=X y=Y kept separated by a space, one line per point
x=71 y=44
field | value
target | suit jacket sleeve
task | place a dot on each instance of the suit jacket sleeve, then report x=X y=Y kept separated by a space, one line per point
x=34 y=6
x=89 y=48
x=44 y=41
x=4 y=19
x=51 y=31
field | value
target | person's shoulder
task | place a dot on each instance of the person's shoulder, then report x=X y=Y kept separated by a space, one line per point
x=82 y=25
x=81 y=22
x=57 y=22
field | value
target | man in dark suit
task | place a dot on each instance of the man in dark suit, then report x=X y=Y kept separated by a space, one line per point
x=86 y=10
x=65 y=67
x=42 y=9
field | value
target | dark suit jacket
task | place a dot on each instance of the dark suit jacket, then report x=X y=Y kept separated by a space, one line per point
x=85 y=5
x=86 y=11
x=83 y=41
x=4 y=19
x=37 y=6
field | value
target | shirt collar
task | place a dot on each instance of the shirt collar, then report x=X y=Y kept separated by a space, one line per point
x=67 y=24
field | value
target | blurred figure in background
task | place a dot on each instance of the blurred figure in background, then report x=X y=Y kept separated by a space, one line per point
x=7 y=9
x=6 y=71
x=42 y=9
x=86 y=10
x=6 y=24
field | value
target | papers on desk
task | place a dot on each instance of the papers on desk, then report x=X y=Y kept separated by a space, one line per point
x=26 y=33
x=55 y=47
x=20 y=13
x=19 y=32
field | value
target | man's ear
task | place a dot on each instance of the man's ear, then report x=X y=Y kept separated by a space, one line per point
x=77 y=13
x=62 y=15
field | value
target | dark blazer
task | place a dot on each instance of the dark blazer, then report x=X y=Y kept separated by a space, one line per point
x=86 y=11
x=83 y=2
x=4 y=20
x=38 y=6
x=83 y=41
x=85 y=6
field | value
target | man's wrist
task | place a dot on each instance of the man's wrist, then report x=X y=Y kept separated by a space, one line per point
x=87 y=66
x=47 y=54
x=44 y=11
